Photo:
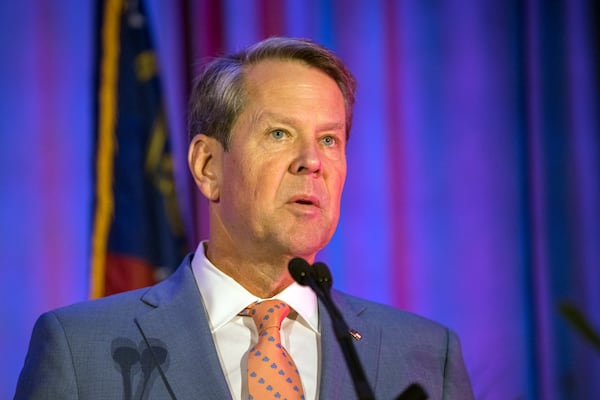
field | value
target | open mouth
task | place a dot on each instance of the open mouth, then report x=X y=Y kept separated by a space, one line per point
x=305 y=202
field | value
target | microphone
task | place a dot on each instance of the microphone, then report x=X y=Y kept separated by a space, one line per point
x=318 y=278
x=323 y=276
x=299 y=268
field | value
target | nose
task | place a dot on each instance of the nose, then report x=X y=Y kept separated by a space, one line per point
x=307 y=161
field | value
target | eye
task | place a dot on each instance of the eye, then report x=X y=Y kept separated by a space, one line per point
x=278 y=134
x=329 y=141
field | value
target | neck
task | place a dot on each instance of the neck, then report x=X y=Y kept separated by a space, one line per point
x=263 y=277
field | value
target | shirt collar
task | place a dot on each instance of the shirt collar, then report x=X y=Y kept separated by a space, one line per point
x=215 y=285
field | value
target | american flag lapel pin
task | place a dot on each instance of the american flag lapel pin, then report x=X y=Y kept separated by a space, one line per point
x=355 y=334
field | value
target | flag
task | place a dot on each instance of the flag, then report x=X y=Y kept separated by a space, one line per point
x=138 y=236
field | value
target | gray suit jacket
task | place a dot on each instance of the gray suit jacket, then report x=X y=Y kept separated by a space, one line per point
x=155 y=343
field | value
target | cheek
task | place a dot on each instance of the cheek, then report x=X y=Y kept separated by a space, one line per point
x=238 y=174
x=256 y=188
x=337 y=183
x=237 y=187
x=266 y=174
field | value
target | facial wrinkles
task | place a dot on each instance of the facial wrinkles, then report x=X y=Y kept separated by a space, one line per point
x=309 y=112
x=267 y=90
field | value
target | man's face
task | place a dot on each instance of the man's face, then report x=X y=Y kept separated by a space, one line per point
x=282 y=178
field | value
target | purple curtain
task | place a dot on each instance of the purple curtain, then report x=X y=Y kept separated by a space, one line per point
x=473 y=191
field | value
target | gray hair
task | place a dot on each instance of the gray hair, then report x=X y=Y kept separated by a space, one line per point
x=218 y=96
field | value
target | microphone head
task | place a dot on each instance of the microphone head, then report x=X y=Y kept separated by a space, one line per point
x=299 y=270
x=322 y=275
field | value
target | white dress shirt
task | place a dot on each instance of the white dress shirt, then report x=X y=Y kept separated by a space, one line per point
x=234 y=335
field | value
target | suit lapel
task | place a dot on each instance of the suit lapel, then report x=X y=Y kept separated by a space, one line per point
x=336 y=381
x=178 y=321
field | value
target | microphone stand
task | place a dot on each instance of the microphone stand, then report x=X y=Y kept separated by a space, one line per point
x=342 y=333
x=319 y=279
x=341 y=329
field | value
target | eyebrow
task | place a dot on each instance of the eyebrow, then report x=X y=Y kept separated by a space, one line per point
x=328 y=126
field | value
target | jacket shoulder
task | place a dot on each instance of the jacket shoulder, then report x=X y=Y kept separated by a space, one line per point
x=387 y=316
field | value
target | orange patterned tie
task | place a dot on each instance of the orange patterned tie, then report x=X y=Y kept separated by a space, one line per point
x=272 y=374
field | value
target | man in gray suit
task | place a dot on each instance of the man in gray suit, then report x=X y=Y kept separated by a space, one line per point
x=269 y=128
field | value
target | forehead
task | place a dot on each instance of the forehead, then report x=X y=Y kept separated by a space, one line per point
x=285 y=72
x=290 y=84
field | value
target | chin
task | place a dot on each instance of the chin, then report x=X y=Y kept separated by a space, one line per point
x=307 y=248
x=303 y=239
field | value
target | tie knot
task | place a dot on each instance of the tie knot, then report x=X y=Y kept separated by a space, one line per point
x=268 y=314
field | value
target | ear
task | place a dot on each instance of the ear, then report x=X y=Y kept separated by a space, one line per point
x=204 y=159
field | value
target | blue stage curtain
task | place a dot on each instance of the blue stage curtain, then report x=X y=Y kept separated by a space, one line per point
x=46 y=131
x=473 y=191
